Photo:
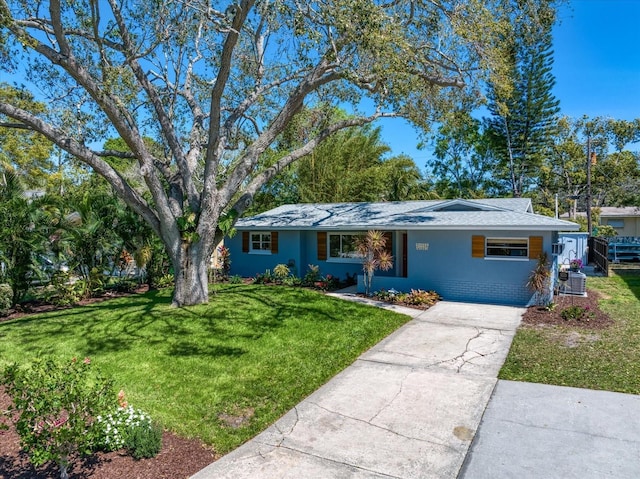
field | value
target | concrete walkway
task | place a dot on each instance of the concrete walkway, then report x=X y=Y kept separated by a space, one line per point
x=407 y=408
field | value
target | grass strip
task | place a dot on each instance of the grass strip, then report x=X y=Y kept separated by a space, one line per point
x=606 y=359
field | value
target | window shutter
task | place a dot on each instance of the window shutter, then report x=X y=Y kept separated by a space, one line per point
x=535 y=247
x=322 y=245
x=477 y=246
x=274 y=242
x=245 y=241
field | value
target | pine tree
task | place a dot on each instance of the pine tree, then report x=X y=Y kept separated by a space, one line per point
x=523 y=119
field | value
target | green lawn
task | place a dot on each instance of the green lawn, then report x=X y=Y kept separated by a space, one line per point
x=253 y=351
x=604 y=359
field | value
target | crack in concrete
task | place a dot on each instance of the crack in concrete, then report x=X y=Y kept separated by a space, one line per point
x=463 y=357
x=434 y=439
x=285 y=434
x=392 y=400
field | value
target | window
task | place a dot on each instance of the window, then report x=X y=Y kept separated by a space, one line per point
x=507 y=248
x=343 y=246
x=616 y=223
x=260 y=242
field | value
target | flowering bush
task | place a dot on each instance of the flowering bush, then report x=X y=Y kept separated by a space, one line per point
x=56 y=404
x=575 y=263
x=115 y=426
x=128 y=428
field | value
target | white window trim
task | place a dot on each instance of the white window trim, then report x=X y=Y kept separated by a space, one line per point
x=259 y=251
x=333 y=259
x=506 y=258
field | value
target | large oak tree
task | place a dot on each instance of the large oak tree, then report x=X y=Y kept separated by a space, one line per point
x=216 y=83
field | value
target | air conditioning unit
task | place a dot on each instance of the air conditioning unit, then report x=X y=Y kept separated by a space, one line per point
x=577 y=284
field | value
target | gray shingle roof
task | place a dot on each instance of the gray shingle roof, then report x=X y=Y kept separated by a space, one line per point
x=496 y=214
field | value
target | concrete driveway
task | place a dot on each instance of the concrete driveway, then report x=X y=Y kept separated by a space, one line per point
x=537 y=431
x=407 y=408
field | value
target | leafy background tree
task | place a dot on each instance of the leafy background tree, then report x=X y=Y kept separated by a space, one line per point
x=462 y=164
x=23 y=231
x=24 y=152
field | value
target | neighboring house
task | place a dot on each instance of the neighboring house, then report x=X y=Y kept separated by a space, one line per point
x=626 y=221
x=466 y=250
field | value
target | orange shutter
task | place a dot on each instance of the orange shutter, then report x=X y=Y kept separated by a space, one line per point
x=322 y=245
x=274 y=242
x=535 y=247
x=477 y=246
x=245 y=241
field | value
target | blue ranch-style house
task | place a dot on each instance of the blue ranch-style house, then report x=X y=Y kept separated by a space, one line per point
x=465 y=250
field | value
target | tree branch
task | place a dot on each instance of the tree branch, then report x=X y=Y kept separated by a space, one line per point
x=75 y=148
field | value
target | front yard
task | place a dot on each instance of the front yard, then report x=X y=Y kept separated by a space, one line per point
x=589 y=352
x=219 y=372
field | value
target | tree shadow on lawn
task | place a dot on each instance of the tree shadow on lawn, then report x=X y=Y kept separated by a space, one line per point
x=269 y=308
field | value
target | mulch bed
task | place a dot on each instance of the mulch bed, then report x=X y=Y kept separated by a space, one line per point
x=38 y=306
x=179 y=458
x=594 y=319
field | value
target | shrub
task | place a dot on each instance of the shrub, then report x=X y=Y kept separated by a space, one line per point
x=97 y=282
x=224 y=258
x=57 y=403
x=281 y=271
x=312 y=275
x=164 y=281
x=418 y=297
x=64 y=291
x=389 y=296
x=6 y=298
x=264 y=278
x=577 y=313
x=235 y=279
x=130 y=429
x=126 y=285
x=540 y=280
x=331 y=283
x=144 y=442
x=292 y=281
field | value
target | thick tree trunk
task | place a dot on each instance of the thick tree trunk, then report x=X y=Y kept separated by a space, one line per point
x=191 y=280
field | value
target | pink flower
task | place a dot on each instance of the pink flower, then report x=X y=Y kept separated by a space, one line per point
x=87 y=361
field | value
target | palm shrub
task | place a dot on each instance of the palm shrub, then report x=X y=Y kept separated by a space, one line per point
x=23 y=226
x=540 y=280
x=372 y=248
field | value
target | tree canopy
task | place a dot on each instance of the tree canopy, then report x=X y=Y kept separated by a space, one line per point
x=216 y=85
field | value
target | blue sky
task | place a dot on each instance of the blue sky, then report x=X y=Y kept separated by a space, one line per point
x=596 y=65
